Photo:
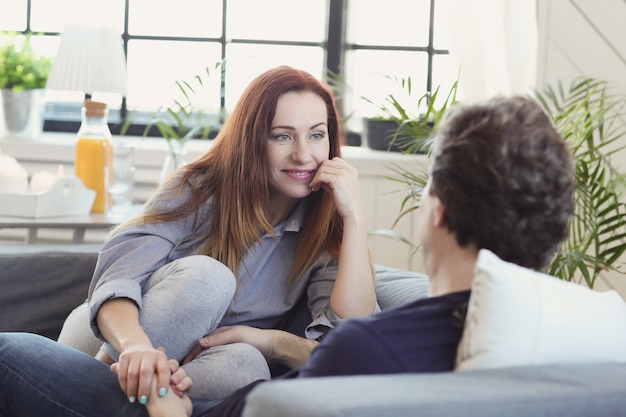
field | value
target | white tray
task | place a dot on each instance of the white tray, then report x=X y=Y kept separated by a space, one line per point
x=67 y=196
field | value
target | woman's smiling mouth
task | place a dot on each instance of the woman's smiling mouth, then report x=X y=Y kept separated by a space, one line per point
x=300 y=174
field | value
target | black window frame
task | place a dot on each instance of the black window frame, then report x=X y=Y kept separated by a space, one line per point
x=335 y=48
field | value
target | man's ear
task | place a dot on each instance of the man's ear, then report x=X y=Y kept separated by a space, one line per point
x=438 y=213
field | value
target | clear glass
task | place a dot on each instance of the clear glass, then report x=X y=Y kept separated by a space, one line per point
x=278 y=20
x=441 y=25
x=155 y=66
x=52 y=16
x=120 y=177
x=180 y=18
x=445 y=73
x=375 y=74
x=388 y=22
x=245 y=62
x=13 y=18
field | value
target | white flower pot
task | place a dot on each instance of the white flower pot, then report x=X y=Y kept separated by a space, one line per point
x=22 y=113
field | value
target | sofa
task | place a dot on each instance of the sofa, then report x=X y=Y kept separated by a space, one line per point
x=40 y=284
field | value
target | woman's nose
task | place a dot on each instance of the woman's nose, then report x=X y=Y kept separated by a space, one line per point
x=301 y=151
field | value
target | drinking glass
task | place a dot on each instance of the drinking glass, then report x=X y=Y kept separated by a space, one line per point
x=120 y=177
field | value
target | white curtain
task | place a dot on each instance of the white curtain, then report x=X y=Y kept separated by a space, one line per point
x=495 y=45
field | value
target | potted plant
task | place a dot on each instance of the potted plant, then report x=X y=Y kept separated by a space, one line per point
x=402 y=130
x=181 y=121
x=23 y=76
x=589 y=117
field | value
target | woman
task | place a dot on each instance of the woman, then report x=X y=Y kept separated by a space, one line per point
x=269 y=214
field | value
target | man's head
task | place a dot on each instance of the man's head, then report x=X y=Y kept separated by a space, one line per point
x=505 y=179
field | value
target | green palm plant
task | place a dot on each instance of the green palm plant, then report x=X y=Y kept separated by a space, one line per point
x=414 y=133
x=589 y=116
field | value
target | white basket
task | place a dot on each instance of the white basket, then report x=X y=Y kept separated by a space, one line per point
x=67 y=196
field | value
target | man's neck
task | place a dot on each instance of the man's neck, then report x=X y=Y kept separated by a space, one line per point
x=452 y=271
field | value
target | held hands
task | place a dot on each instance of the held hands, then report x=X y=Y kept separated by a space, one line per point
x=342 y=180
x=138 y=366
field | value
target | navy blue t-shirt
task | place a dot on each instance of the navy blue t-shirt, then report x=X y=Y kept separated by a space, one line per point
x=420 y=336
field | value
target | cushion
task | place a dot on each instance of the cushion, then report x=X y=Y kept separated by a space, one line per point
x=395 y=287
x=517 y=316
x=41 y=284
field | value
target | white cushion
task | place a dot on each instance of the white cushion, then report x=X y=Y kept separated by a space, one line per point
x=517 y=316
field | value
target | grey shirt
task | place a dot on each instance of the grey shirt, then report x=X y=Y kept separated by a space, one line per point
x=131 y=256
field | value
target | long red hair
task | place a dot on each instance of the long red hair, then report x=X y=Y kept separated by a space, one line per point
x=234 y=173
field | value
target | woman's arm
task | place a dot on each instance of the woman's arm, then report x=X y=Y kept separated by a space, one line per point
x=353 y=293
x=139 y=362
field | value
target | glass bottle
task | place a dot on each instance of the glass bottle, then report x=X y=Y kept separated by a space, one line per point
x=93 y=152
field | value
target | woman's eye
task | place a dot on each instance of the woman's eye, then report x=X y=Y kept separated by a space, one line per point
x=282 y=137
x=318 y=136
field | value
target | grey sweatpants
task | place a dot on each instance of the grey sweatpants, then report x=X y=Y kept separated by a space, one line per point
x=185 y=300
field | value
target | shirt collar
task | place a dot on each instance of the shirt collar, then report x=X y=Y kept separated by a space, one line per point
x=293 y=223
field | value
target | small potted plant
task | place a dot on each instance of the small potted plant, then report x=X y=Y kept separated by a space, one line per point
x=23 y=76
x=403 y=130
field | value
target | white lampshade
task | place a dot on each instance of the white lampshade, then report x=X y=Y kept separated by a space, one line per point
x=90 y=59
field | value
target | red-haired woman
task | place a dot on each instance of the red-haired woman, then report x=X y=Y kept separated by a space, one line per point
x=228 y=246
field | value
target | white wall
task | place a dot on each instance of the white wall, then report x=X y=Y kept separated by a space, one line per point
x=584 y=38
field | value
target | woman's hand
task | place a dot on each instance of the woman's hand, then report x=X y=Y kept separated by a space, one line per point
x=179 y=381
x=136 y=369
x=342 y=181
x=275 y=345
x=353 y=294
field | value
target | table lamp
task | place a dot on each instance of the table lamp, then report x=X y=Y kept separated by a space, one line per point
x=90 y=59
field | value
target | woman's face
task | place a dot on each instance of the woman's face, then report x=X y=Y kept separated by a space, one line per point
x=298 y=143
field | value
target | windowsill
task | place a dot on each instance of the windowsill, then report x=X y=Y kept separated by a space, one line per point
x=150 y=153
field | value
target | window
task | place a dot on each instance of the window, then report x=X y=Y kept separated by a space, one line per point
x=165 y=41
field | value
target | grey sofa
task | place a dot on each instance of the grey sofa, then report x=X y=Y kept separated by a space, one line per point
x=41 y=284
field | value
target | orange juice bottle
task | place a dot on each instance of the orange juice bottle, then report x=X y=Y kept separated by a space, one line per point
x=93 y=152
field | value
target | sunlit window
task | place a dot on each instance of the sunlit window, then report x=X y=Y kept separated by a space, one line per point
x=369 y=42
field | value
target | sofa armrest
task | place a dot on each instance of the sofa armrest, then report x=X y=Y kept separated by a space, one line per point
x=42 y=283
x=597 y=390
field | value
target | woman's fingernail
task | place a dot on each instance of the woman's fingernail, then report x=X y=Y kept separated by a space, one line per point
x=162 y=392
x=132 y=399
x=143 y=400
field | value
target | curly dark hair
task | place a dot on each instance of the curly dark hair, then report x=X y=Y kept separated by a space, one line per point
x=505 y=178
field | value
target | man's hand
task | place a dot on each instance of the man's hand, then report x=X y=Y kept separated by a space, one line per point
x=277 y=346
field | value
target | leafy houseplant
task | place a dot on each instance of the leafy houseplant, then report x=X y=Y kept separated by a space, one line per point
x=23 y=76
x=400 y=129
x=181 y=121
x=20 y=68
x=587 y=115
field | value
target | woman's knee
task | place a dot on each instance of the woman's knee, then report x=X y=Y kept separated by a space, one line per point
x=76 y=332
x=197 y=274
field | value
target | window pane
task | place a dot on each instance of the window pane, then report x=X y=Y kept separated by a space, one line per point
x=155 y=66
x=13 y=17
x=372 y=75
x=442 y=25
x=445 y=74
x=388 y=22
x=181 y=18
x=52 y=16
x=282 y=20
x=244 y=62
